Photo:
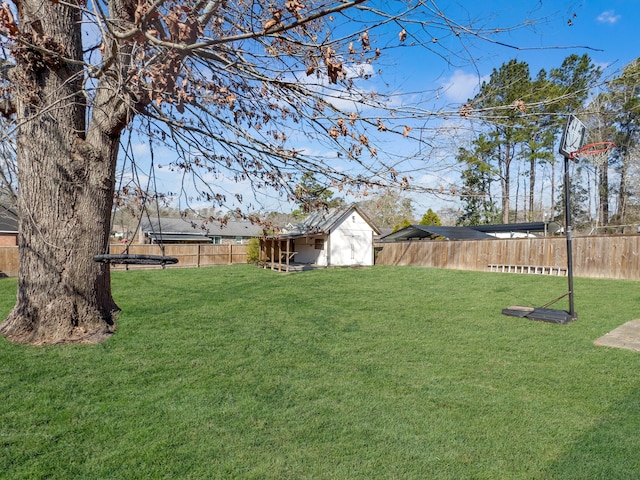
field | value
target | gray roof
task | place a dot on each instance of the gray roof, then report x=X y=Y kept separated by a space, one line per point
x=196 y=228
x=323 y=221
x=178 y=237
x=418 y=232
x=511 y=227
x=8 y=220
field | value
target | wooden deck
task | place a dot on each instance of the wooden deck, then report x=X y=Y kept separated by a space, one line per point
x=293 y=267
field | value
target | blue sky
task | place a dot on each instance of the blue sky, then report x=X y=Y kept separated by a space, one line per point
x=605 y=30
x=548 y=32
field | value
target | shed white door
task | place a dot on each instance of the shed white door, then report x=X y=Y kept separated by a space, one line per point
x=353 y=249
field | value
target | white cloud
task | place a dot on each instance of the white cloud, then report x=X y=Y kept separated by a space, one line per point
x=461 y=86
x=140 y=148
x=359 y=70
x=609 y=16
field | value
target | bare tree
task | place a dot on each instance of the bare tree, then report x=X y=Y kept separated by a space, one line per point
x=624 y=101
x=8 y=165
x=388 y=208
x=230 y=87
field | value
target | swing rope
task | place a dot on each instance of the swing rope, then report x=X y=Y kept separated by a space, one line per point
x=127 y=258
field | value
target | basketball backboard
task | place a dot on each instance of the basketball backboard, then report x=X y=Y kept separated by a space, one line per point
x=573 y=136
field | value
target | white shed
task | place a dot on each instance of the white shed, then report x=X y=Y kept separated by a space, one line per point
x=341 y=236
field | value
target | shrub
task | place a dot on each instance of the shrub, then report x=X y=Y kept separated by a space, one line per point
x=253 y=251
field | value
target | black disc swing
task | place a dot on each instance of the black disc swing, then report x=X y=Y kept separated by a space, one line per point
x=127 y=258
x=135 y=259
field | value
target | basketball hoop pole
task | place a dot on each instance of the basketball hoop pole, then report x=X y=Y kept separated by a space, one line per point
x=573 y=138
x=567 y=224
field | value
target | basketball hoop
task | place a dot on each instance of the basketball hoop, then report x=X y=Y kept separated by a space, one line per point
x=573 y=136
x=598 y=152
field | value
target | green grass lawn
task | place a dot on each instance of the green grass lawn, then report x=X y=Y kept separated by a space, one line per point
x=386 y=372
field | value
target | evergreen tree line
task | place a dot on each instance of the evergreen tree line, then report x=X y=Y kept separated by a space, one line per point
x=511 y=170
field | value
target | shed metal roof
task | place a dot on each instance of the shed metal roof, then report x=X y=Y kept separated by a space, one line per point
x=323 y=221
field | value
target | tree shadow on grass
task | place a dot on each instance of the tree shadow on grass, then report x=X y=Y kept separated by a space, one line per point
x=609 y=450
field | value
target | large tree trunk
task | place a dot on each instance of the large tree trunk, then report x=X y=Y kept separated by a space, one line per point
x=623 y=191
x=506 y=184
x=603 y=194
x=65 y=190
x=532 y=189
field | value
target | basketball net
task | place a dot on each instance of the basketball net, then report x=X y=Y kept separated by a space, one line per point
x=595 y=153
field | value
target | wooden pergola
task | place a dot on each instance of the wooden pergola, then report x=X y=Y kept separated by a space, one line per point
x=277 y=252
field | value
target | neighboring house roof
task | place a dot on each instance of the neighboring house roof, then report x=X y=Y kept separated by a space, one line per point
x=383 y=232
x=528 y=227
x=431 y=232
x=8 y=220
x=323 y=221
x=180 y=228
x=178 y=237
x=467 y=233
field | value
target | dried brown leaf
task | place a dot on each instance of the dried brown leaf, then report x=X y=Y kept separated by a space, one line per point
x=269 y=24
x=173 y=20
x=294 y=7
x=7 y=21
x=273 y=21
x=466 y=110
x=520 y=106
x=335 y=72
x=364 y=39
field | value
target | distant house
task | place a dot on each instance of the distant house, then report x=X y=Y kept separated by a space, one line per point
x=520 y=230
x=8 y=227
x=341 y=236
x=475 y=232
x=180 y=230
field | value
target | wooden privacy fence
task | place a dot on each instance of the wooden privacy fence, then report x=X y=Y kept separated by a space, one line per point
x=8 y=261
x=615 y=256
x=597 y=256
x=196 y=255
